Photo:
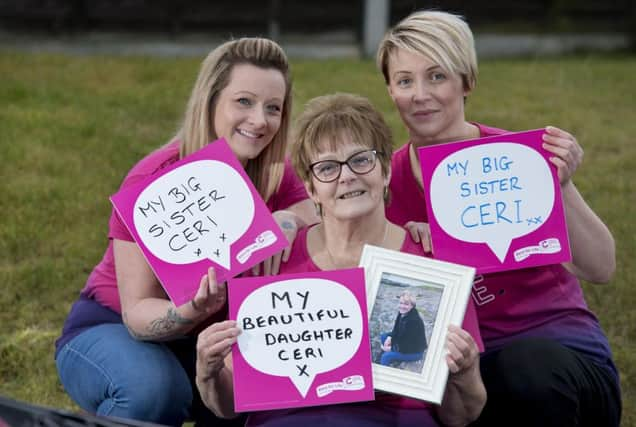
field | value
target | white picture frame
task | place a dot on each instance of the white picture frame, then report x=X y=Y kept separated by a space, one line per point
x=445 y=288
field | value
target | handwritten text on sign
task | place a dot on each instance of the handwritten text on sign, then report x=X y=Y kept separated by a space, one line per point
x=492 y=194
x=198 y=212
x=290 y=329
x=194 y=212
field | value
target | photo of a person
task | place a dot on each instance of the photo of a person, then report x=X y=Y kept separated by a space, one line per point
x=407 y=341
x=403 y=320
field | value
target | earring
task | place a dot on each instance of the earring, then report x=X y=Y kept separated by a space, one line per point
x=386 y=193
x=318 y=209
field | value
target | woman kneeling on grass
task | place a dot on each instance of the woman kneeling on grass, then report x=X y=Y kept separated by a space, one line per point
x=547 y=361
x=341 y=150
x=126 y=351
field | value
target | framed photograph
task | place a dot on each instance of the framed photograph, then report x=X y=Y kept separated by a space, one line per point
x=411 y=300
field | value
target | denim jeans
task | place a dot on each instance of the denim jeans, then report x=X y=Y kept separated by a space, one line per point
x=389 y=357
x=107 y=372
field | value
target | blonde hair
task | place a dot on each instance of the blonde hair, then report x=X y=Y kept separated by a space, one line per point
x=408 y=297
x=329 y=118
x=266 y=170
x=444 y=38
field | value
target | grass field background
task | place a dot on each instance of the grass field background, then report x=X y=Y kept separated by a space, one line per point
x=71 y=127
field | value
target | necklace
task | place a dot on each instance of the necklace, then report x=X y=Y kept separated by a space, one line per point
x=331 y=258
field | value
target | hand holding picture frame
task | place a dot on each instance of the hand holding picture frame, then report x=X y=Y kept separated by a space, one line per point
x=438 y=293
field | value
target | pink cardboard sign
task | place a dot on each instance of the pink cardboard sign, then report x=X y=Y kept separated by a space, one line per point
x=199 y=212
x=495 y=203
x=304 y=340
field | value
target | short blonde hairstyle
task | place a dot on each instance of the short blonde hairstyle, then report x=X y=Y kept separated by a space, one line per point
x=408 y=297
x=444 y=38
x=266 y=170
x=329 y=118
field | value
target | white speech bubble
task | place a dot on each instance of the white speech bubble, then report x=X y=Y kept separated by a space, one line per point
x=326 y=308
x=194 y=212
x=492 y=194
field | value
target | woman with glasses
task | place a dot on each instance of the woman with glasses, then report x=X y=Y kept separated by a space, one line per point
x=342 y=151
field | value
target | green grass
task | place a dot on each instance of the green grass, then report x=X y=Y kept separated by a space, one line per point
x=71 y=127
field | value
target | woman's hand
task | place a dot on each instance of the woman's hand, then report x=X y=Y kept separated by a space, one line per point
x=592 y=244
x=214 y=367
x=465 y=394
x=386 y=346
x=421 y=233
x=568 y=154
x=213 y=345
x=211 y=296
x=463 y=353
x=288 y=222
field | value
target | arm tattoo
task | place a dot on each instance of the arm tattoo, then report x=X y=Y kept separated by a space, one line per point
x=287 y=225
x=160 y=327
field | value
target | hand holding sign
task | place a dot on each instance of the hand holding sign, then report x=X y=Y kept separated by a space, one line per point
x=568 y=154
x=420 y=233
x=213 y=345
x=211 y=295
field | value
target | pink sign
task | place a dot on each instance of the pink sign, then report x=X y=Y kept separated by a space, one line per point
x=495 y=203
x=201 y=211
x=304 y=340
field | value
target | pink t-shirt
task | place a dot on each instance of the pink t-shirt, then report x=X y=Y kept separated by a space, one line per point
x=102 y=284
x=300 y=262
x=545 y=301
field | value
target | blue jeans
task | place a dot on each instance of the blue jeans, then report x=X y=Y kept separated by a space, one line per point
x=389 y=357
x=109 y=373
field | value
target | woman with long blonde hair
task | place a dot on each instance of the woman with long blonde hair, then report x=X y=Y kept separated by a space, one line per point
x=126 y=350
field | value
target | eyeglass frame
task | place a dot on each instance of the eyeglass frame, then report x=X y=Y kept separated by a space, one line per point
x=376 y=153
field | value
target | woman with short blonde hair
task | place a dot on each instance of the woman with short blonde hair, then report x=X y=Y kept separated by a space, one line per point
x=443 y=37
x=547 y=360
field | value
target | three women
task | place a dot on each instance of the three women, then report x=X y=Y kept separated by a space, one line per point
x=537 y=329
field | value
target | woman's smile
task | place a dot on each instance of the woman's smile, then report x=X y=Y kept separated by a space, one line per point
x=352 y=194
x=249 y=134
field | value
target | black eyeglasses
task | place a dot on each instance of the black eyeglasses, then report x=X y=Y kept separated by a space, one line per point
x=359 y=163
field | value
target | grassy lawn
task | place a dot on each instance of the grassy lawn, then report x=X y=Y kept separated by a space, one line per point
x=71 y=127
